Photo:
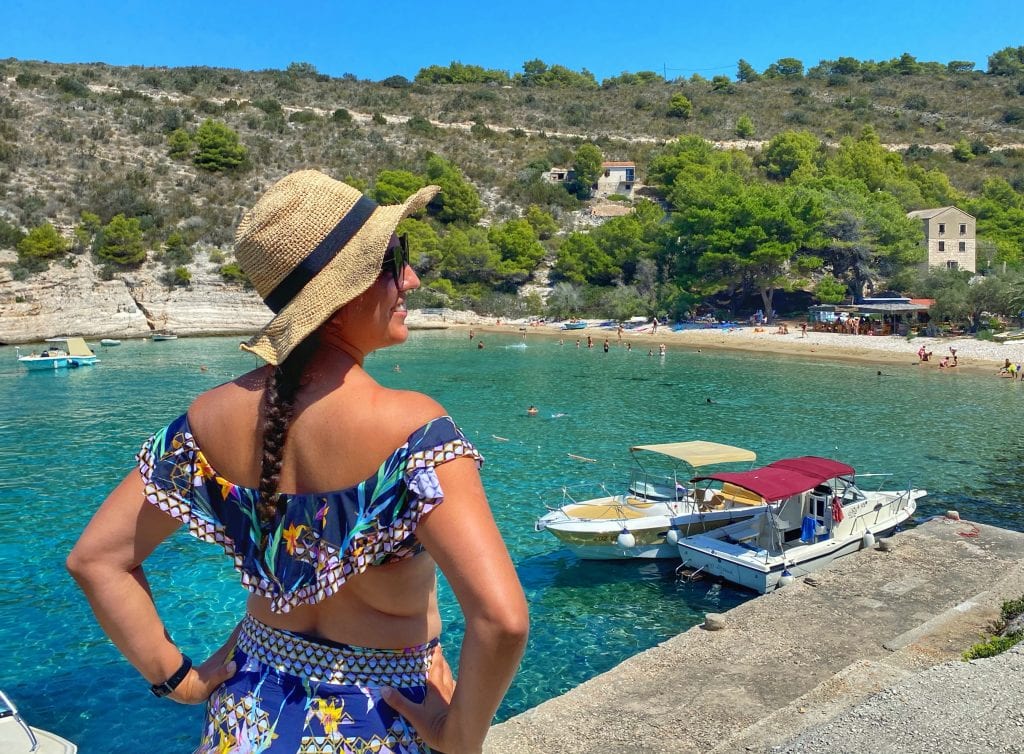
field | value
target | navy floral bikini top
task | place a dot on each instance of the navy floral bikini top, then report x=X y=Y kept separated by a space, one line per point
x=322 y=538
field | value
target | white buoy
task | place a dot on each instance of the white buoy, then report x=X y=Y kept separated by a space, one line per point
x=672 y=537
x=785 y=579
x=868 y=540
x=626 y=540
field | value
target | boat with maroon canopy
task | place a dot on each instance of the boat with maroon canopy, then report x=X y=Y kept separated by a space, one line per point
x=816 y=513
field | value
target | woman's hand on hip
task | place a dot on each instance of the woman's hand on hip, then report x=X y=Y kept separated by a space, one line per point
x=430 y=716
x=203 y=679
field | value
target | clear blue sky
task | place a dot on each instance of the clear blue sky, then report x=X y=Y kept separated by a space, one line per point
x=377 y=39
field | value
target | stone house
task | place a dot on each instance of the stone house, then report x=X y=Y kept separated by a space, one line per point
x=616 y=178
x=559 y=175
x=949 y=234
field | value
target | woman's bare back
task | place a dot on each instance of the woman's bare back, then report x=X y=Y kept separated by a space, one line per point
x=344 y=426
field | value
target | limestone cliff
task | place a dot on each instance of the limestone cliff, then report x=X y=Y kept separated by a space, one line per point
x=73 y=299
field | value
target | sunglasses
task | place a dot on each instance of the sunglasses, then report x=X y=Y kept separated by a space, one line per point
x=396 y=258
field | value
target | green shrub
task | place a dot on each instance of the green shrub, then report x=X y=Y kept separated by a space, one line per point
x=233 y=274
x=993 y=646
x=176 y=250
x=120 y=242
x=744 y=127
x=269 y=106
x=1012 y=609
x=302 y=116
x=179 y=277
x=179 y=144
x=72 y=86
x=962 y=151
x=679 y=106
x=218 y=148
x=42 y=243
x=420 y=125
x=28 y=80
x=10 y=235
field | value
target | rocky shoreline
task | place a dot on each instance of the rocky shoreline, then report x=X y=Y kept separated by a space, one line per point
x=73 y=299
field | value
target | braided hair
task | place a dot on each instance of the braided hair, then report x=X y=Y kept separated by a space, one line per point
x=281 y=389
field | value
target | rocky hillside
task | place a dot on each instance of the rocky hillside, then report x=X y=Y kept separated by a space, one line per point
x=98 y=139
x=76 y=300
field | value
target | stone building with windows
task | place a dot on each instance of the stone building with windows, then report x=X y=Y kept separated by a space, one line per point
x=616 y=178
x=949 y=234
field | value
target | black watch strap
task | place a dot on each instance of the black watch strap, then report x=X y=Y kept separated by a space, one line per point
x=165 y=688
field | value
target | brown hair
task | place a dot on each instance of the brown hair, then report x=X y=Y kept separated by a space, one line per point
x=279 y=405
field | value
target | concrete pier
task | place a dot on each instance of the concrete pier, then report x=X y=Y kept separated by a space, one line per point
x=793 y=659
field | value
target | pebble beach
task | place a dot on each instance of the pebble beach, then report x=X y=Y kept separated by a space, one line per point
x=972 y=353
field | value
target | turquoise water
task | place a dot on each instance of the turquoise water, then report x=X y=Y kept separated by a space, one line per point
x=68 y=437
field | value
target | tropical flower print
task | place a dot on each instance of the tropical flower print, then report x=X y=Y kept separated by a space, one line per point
x=292 y=695
x=321 y=539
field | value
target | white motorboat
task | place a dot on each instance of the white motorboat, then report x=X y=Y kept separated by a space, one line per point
x=634 y=524
x=18 y=737
x=817 y=513
x=70 y=353
x=164 y=335
x=110 y=342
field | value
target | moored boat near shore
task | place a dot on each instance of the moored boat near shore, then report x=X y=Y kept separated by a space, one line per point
x=635 y=524
x=817 y=513
x=71 y=353
x=18 y=737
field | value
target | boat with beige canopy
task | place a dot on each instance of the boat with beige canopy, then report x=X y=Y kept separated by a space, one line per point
x=597 y=524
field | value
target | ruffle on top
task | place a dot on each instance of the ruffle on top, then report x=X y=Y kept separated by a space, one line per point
x=321 y=539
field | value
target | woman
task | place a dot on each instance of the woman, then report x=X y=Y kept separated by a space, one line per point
x=335 y=498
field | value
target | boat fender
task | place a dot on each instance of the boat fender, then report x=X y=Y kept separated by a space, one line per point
x=626 y=540
x=785 y=579
x=672 y=536
x=868 y=540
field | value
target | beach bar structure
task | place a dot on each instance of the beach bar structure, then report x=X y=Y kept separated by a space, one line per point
x=877 y=316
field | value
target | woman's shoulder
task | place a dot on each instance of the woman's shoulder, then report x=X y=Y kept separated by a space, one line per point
x=408 y=411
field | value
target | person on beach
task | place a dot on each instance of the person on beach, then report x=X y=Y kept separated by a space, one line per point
x=531 y=411
x=335 y=498
x=590 y=342
x=606 y=345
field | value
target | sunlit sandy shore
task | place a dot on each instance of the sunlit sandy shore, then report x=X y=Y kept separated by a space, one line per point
x=972 y=354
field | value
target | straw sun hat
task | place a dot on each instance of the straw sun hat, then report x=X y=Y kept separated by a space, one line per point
x=309 y=246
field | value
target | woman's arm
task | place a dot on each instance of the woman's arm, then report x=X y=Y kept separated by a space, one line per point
x=107 y=564
x=461 y=536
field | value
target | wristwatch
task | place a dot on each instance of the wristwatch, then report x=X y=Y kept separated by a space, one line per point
x=165 y=688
